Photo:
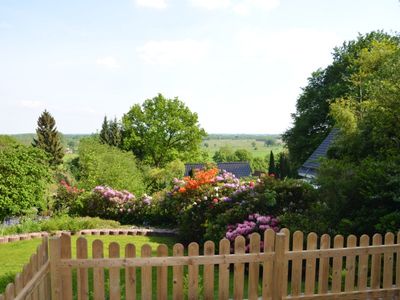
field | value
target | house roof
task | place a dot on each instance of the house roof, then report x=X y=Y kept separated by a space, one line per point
x=239 y=169
x=311 y=165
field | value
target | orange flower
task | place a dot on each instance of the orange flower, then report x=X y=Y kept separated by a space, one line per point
x=182 y=190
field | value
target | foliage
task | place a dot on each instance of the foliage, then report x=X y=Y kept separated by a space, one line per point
x=107 y=203
x=101 y=164
x=162 y=130
x=208 y=201
x=271 y=165
x=157 y=179
x=60 y=222
x=363 y=170
x=111 y=133
x=66 y=199
x=48 y=138
x=255 y=223
x=6 y=141
x=24 y=178
x=342 y=79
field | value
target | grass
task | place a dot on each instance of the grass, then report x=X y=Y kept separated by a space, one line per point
x=21 y=252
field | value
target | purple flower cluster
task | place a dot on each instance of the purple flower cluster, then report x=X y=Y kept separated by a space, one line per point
x=254 y=223
x=119 y=197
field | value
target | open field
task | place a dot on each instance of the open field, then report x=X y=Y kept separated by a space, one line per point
x=257 y=148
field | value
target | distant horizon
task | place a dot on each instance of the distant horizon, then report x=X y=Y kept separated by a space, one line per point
x=208 y=133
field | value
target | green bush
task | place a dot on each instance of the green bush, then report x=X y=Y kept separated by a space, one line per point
x=24 y=179
x=62 y=222
x=100 y=164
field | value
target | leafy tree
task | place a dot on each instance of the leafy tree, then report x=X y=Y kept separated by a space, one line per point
x=111 y=133
x=243 y=155
x=162 y=130
x=258 y=164
x=224 y=154
x=24 y=178
x=48 y=138
x=312 y=120
x=360 y=182
x=6 y=141
x=157 y=179
x=101 y=164
x=271 y=165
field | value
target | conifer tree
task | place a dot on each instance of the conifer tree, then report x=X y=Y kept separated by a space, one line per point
x=104 y=131
x=271 y=168
x=48 y=138
x=110 y=133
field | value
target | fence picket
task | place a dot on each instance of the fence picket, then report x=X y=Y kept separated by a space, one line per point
x=177 y=274
x=388 y=263
x=376 y=263
x=398 y=262
x=115 y=290
x=82 y=253
x=286 y=262
x=9 y=292
x=254 y=268
x=350 y=264
x=193 y=272
x=146 y=275
x=98 y=272
x=223 y=291
x=130 y=274
x=41 y=262
x=338 y=242
x=363 y=265
x=208 y=272
x=66 y=274
x=35 y=268
x=162 y=274
x=238 y=276
x=324 y=266
x=297 y=263
x=18 y=283
x=279 y=266
x=268 y=265
x=310 y=265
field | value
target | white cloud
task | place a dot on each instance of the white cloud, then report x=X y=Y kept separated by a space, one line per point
x=212 y=4
x=171 y=53
x=31 y=104
x=158 y=4
x=241 y=7
x=108 y=62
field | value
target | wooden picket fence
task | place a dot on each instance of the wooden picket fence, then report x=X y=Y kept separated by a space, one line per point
x=33 y=282
x=289 y=267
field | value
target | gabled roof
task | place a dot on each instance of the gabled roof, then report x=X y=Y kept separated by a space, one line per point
x=310 y=167
x=239 y=169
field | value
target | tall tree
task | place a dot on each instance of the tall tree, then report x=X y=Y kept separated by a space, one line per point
x=48 y=138
x=271 y=167
x=312 y=121
x=110 y=133
x=162 y=130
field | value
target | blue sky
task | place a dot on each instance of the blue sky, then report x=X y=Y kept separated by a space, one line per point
x=240 y=64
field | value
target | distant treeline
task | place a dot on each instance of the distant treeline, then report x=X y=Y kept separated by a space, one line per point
x=233 y=136
x=70 y=141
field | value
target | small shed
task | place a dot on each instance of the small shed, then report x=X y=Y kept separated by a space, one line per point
x=239 y=169
x=311 y=165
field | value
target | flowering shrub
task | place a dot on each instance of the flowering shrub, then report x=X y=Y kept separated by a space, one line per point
x=254 y=223
x=66 y=198
x=122 y=206
x=197 y=200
